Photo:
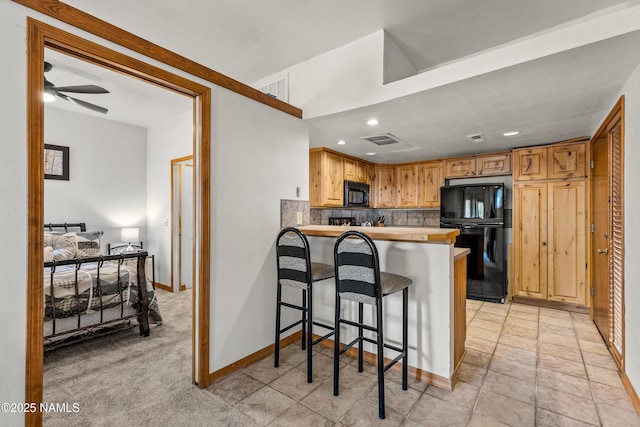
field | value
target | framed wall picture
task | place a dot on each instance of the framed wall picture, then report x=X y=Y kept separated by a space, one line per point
x=56 y=162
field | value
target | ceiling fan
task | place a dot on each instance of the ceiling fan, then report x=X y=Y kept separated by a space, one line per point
x=52 y=89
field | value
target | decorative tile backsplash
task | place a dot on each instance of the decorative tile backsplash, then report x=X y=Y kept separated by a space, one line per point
x=289 y=210
x=409 y=217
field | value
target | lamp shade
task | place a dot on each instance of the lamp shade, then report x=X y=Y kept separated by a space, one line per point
x=130 y=234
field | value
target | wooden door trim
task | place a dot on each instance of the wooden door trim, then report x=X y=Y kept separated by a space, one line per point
x=175 y=162
x=103 y=29
x=39 y=36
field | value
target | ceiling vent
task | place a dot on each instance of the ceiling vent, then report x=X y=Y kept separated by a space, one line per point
x=477 y=138
x=384 y=139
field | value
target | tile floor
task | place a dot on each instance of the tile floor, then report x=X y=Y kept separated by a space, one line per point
x=524 y=366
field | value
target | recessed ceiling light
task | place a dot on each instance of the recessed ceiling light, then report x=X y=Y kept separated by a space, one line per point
x=47 y=97
x=371 y=153
x=342 y=142
x=373 y=122
x=512 y=133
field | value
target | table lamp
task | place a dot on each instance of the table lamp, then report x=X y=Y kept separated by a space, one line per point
x=130 y=234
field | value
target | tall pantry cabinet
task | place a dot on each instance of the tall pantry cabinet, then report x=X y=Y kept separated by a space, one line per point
x=550 y=223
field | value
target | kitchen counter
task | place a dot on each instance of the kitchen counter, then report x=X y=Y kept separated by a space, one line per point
x=398 y=234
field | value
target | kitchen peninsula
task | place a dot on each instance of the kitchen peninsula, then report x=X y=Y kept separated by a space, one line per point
x=437 y=298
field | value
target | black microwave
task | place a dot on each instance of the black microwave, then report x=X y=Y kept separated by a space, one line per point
x=356 y=194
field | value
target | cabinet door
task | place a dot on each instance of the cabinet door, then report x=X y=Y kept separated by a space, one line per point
x=460 y=168
x=567 y=250
x=407 y=186
x=530 y=240
x=385 y=188
x=349 y=169
x=361 y=172
x=430 y=179
x=499 y=164
x=568 y=161
x=530 y=164
x=333 y=180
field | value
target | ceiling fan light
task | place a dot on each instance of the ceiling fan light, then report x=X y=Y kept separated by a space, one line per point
x=48 y=97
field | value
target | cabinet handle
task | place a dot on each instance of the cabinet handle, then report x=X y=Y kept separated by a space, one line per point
x=603 y=251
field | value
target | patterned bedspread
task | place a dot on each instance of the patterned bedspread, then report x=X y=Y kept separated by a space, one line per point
x=104 y=287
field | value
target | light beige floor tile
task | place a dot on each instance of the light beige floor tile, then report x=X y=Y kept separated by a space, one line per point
x=264 y=370
x=294 y=383
x=505 y=409
x=525 y=308
x=513 y=369
x=299 y=415
x=612 y=396
x=586 y=327
x=564 y=383
x=569 y=353
x=396 y=376
x=598 y=359
x=486 y=324
x=564 y=366
x=522 y=323
x=235 y=387
x=559 y=340
x=463 y=394
x=604 y=376
x=478 y=420
x=430 y=411
x=481 y=333
x=471 y=374
x=581 y=317
x=504 y=385
x=554 y=313
x=473 y=304
x=557 y=330
x=365 y=414
x=517 y=354
x=354 y=382
x=518 y=331
x=568 y=405
x=322 y=401
x=490 y=317
x=549 y=419
x=525 y=315
x=558 y=321
x=498 y=309
x=470 y=315
x=582 y=334
x=478 y=358
x=519 y=342
x=594 y=347
x=480 y=344
x=293 y=354
x=395 y=398
x=613 y=416
x=265 y=405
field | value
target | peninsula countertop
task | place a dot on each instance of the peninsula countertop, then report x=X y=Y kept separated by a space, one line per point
x=401 y=234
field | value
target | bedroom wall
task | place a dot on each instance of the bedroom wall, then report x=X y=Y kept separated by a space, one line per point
x=105 y=158
x=170 y=139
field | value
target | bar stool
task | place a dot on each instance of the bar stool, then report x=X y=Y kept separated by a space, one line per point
x=296 y=270
x=359 y=279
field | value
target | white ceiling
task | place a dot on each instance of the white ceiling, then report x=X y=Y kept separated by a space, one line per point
x=549 y=99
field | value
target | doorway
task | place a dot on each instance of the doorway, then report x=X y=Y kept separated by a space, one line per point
x=607 y=232
x=182 y=224
x=42 y=35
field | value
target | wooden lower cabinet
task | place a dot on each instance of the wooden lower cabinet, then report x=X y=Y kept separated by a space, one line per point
x=549 y=241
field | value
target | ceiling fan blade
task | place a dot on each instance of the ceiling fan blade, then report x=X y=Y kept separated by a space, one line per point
x=82 y=103
x=93 y=89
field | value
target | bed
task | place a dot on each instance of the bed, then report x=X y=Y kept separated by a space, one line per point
x=88 y=294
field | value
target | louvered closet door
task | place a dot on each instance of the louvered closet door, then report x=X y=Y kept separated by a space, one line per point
x=616 y=258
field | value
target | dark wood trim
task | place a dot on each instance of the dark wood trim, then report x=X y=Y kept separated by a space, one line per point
x=173 y=201
x=253 y=358
x=103 y=29
x=164 y=287
x=631 y=392
x=576 y=308
x=39 y=36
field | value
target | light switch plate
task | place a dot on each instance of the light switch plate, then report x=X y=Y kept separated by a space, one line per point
x=298 y=218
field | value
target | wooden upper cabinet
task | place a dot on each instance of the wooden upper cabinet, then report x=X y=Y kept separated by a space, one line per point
x=326 y=178
x=354 y=170
x=494 y=164
x=568 y=161
x=530 y=164
x=384 y=185
x=430 y=179
x=361 y=172
x=460 y=168
x=407 y=186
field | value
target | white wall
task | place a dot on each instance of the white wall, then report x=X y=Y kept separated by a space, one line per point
x=107 y=184
x=170 y=139
x=632 y=228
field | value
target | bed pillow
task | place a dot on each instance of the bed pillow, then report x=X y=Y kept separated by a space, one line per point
x=48 y=254
x=63 y=246
x=88 y=243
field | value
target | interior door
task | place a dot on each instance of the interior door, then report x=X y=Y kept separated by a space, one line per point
x=600 y=208
x=186 y=226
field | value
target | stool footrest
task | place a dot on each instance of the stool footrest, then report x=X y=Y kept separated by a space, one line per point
x=297 y=307
x=348 y=346
x=323 y=338
x=393 y=362
x=358 y=325
x=393 y=347
x=290 y=326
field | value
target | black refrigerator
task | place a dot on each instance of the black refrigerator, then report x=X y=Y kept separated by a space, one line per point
x=478 y=212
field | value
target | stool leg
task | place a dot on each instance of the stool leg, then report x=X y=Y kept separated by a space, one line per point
x=336 y=349
x=276 y=362
x=309 y=334
x=380 y=342
x=360 y=336
x=304 y=319
x=405 y=335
